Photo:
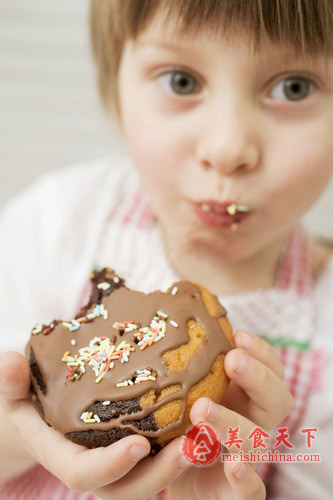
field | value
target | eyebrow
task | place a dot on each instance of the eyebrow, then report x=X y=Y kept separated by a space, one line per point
x=164 y=45
x=151 y=43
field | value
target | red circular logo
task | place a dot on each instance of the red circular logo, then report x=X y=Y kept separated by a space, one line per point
x=201 y=446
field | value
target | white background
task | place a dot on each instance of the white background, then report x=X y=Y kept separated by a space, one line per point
x=50 y=115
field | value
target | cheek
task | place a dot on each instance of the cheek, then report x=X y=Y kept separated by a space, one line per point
x=312 y=166
x=153 y=158
x=301 y=173
x=152 y=144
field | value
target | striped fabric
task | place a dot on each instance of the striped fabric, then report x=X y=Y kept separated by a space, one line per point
x=259 y=312
x=300 y=362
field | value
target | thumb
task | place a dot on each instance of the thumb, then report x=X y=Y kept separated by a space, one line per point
x=14 y=376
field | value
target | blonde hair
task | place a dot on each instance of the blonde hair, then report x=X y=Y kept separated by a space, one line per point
x=304 y=25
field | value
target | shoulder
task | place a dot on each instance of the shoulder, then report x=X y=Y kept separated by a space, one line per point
x=90 y=172
x=62 y=210
x=62 y=190
x=74 y=181
x=321 y=250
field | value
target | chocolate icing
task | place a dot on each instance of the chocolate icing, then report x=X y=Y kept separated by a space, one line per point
x=66 y=400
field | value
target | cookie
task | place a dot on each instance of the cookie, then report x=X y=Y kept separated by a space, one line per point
x=130 y=362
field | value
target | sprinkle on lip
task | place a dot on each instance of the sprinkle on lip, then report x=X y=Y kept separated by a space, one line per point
x=242 y=208
x=231 y=209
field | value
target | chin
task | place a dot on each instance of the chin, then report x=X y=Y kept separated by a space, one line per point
x=211 y=246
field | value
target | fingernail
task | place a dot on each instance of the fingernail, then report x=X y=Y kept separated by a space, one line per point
x=242 y=364
x=213 y=412
x=241 y=471
x=137 y=451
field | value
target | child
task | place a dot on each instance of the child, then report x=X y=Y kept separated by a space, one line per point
x=224 y=170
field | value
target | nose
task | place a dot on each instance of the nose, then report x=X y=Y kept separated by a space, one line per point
x=229 y=140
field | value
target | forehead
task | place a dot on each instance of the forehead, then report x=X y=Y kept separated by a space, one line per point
x=164 y=31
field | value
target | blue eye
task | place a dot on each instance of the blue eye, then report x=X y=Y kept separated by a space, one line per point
x=294 y=88
x=179 y=82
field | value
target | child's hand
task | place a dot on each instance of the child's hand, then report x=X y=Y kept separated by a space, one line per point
x=256 y=397
x=111 y=472
x=108 y=472
x=257 y=390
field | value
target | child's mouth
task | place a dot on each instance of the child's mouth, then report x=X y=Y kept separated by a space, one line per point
x=224 y=215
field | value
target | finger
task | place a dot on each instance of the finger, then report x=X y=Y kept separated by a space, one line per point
x=244 y=481
x=261 y=350
x=270 y=400
x=79 y=468
x=14 y=376
x=221 y=419
x=151 y=475
x=101 y=466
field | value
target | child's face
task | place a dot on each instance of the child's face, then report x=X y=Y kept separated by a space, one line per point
x=208 y=119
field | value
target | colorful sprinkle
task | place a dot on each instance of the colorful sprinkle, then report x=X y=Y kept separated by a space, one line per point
x=44 y=329
x=163 y=314
x=138 y=377
x=100 y=377
x=174 y=291
x=88 y=418
x=126 y=326
x=99 y=355
x=242 y=208
x=147 y=335
x=121 y=384
x=206 y=207
x=103 y=286
x=102 y=352
x=232 y=209
x=74 y=328
x=37 y=329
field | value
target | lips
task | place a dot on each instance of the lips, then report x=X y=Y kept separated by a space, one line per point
x=226 y=214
